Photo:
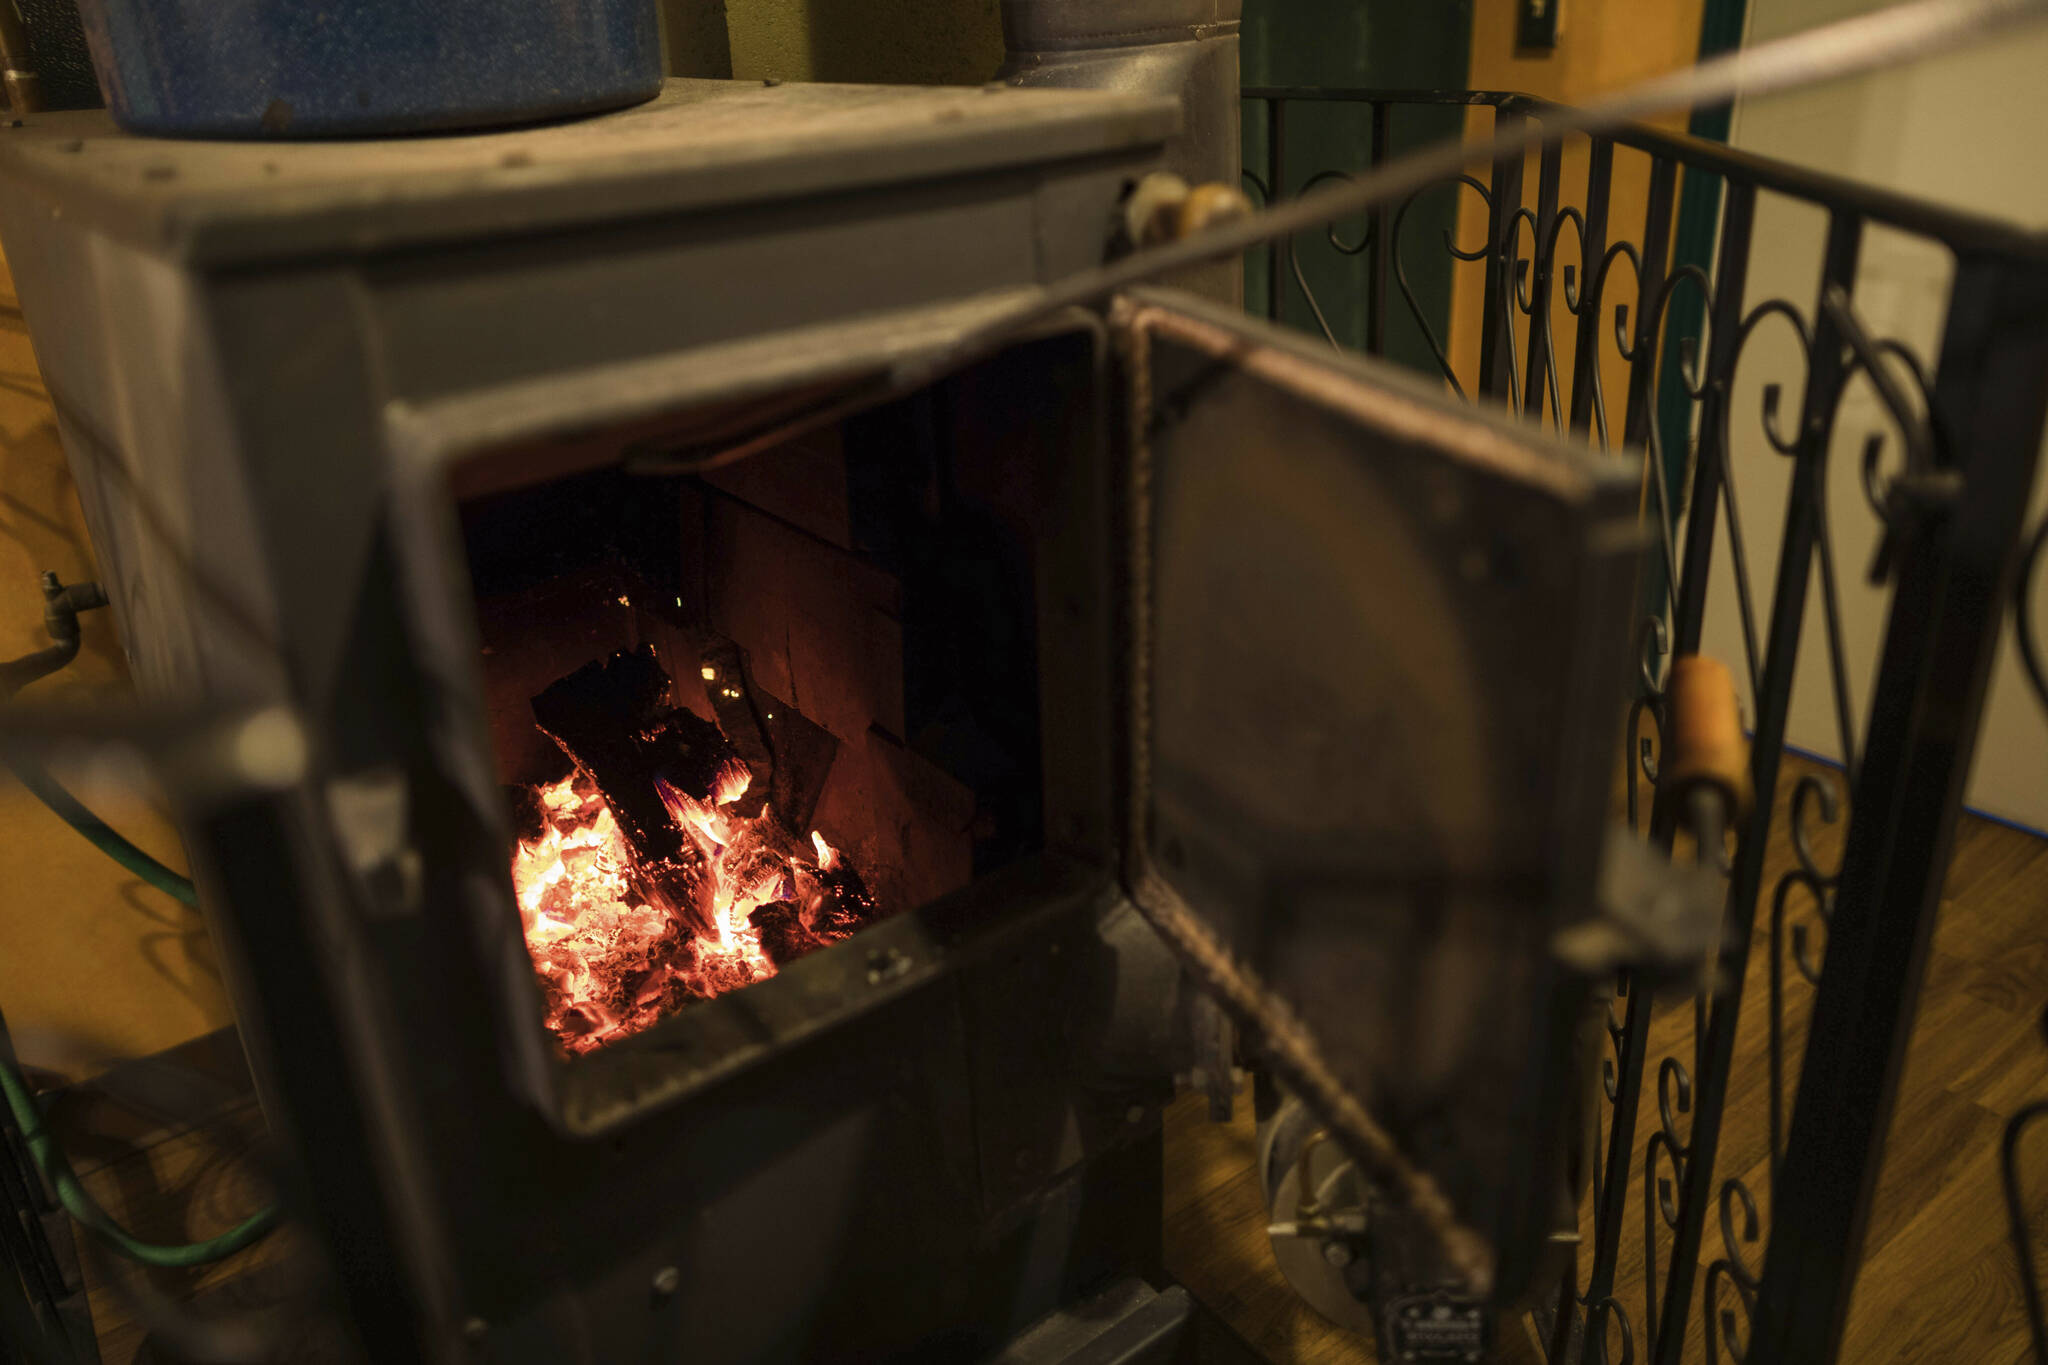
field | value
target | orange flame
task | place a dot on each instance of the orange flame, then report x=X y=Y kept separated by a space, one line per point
x=610 y=963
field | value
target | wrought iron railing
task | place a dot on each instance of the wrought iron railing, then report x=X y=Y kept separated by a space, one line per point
x=2026 y=639
x=1947 y=484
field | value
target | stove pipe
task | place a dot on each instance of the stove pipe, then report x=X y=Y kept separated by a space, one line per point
x=1183 y=48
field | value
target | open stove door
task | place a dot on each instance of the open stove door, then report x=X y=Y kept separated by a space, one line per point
x=1379 y=675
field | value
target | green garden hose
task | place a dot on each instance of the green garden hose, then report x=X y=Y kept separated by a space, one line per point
x=79 y=1204
x=49 y=1158
x=102 y=836
x=61 y=607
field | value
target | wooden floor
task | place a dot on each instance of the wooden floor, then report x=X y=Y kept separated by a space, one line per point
x=176 y=1149
x=1938 y=1282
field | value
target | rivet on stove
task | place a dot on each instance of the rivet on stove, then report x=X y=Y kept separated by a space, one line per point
x=475 y=1329
x=886 y=964
x=667 y=1280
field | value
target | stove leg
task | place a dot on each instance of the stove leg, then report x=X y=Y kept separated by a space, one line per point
x=1131 y=1324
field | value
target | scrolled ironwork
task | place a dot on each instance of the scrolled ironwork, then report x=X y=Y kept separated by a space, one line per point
x=2031 y=559
x=1732 y=1268
x=1330 y=232
x=1923 y=489
x=1407 y=289
x=1568 y=214
x=1538 y=313
x=2016 y=1211
x=1721 y=1331
x=1695 y=386
x=1315 y=307
x=1909 y=476
x=1602 y=1314
x=1586 y=306
x=1653 y=642
x=1582 y=282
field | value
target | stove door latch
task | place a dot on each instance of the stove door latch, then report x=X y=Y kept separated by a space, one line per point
x=1650 y=915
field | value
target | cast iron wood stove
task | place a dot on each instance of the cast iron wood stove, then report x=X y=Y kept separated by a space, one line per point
x=708 y=921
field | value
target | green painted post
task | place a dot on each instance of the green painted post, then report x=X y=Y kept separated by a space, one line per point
x=1370 y=44
x=1699 y=211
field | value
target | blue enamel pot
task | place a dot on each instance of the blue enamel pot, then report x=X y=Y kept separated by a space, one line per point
x=355 y=68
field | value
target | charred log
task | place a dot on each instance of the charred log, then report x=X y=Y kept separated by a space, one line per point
x=616 y=721
x=643 y=881
x=788 y=755
x=848 y=905
x=784 y=937
x=529 y=818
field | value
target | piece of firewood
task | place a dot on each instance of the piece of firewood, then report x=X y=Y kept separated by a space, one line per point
x=615 y=720
x=783 y=935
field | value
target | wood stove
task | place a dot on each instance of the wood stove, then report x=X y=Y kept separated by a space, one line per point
x=871 y=743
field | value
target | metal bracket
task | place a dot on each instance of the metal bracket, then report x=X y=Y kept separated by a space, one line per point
x=1651 y=915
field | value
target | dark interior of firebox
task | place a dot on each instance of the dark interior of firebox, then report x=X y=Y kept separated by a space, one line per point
x=740 y=714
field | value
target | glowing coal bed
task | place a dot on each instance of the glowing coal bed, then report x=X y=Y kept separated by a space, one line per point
x=656 y=873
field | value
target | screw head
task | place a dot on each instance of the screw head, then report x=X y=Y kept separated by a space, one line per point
x=667 y=1280
x=1135 y=1114
x=1337 y=1254
x=475 y=1330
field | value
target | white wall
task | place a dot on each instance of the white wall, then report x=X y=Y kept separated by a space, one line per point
x=1961 y=129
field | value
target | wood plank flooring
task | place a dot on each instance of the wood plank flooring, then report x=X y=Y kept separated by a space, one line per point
x=1938 y=1281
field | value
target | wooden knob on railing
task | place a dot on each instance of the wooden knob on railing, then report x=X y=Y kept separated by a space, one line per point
x=1704 y=746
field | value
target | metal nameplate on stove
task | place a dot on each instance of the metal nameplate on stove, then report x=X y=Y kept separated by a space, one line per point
x=1429 y=1327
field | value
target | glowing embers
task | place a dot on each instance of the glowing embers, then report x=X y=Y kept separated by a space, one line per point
x=699 y=892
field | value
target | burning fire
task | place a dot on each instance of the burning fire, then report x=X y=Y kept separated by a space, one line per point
x=614 y=954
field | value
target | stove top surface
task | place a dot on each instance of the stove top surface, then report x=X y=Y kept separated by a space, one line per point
x=698 y=145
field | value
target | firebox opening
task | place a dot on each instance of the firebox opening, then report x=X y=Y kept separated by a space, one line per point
x=741 y=715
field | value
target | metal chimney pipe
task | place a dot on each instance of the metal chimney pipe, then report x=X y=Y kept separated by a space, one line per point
x=1184 y=48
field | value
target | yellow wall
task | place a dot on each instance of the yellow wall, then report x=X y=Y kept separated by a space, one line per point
x=94 y=964
x=1602 y=45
